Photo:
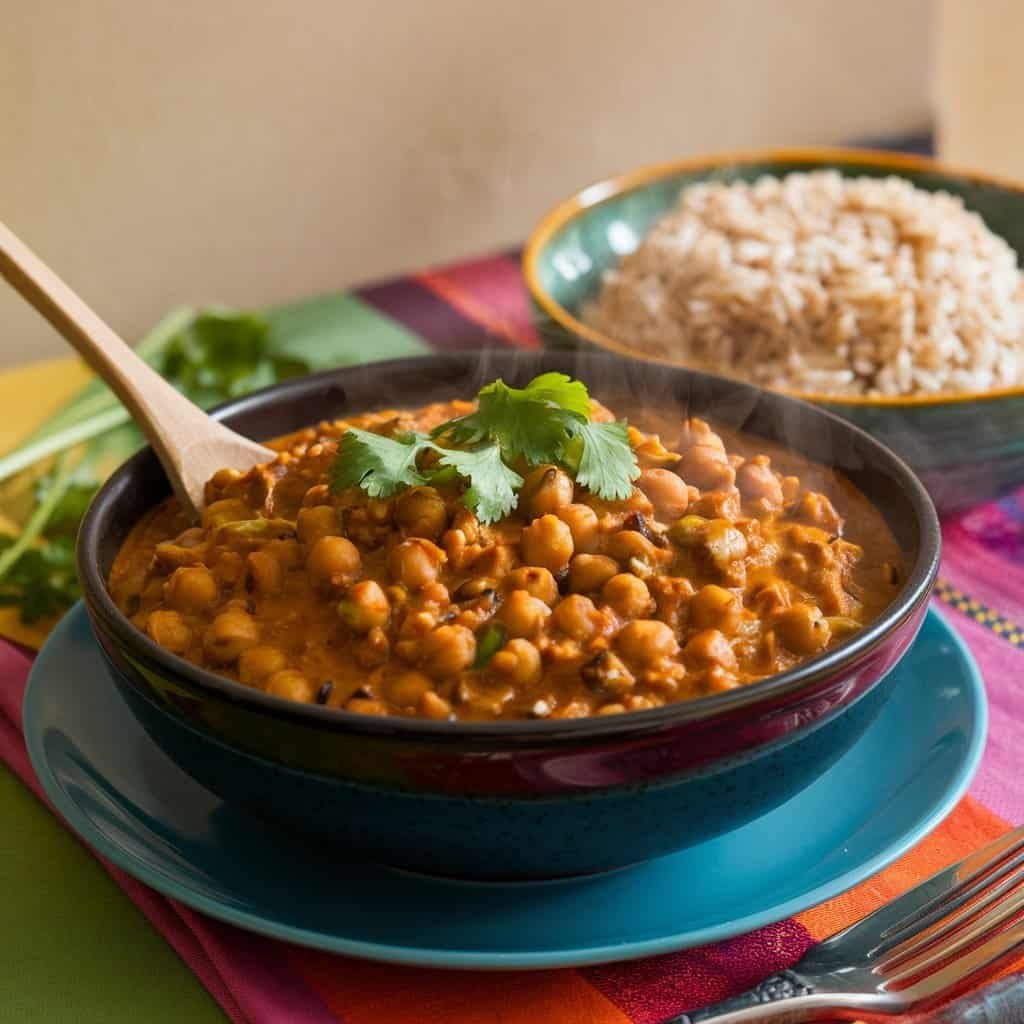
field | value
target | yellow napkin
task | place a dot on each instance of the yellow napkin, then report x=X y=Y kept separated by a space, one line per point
x=28 y=395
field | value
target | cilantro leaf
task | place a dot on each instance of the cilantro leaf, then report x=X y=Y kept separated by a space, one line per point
x=548 y=421
x=530 y=423
x=43 y=581
x=220 y=355
x=607 y=463
x=561 y=390
x=492 y=484
x=379 y=465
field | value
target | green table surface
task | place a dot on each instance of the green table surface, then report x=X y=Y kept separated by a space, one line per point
x=75 y=948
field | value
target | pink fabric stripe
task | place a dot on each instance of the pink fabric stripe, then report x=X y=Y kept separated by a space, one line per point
x=496 y=285
x=981 y=573
x=650 y=990
x=997 y=784
x=242 y=971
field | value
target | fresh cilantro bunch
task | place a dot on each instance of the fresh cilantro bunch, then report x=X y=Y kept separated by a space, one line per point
x=43 y=581
x=547 y=422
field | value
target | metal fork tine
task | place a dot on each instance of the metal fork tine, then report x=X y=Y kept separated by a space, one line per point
x=960 y=940
x=968 y=891
x=953 y=975
x=944 y=920
x=893 y=922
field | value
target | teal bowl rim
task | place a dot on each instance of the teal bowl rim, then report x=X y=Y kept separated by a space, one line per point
x=600 y=192
x=470 y=960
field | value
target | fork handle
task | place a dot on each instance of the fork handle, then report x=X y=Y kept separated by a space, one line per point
x=774 y=989
x=1002 y=1002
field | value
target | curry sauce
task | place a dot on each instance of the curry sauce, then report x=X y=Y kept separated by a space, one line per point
x=732 y=560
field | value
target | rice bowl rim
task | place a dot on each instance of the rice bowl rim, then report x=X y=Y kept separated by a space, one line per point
x=819 y=158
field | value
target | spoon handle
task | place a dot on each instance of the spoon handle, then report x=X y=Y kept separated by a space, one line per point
x=190 y=445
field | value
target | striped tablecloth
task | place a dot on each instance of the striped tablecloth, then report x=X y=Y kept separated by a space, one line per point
x=75 y=948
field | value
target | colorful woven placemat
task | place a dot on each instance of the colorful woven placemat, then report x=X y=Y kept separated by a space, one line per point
x=258 y=980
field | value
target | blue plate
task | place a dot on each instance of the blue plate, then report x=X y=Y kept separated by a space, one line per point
x=134 y=806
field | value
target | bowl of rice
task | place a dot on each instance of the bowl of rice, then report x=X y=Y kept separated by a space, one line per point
x=886 y=287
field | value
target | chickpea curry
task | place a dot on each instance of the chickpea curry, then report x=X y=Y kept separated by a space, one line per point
x=369 y=568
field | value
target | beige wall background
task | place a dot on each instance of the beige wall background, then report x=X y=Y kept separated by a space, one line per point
x=254 y=151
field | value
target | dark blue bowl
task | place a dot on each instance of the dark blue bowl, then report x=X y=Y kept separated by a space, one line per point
x=519 y=799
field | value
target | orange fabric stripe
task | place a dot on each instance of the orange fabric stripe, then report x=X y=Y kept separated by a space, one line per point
x=471 y=307
x=970 y=827
x=360 y=992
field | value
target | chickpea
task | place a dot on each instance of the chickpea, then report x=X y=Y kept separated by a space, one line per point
x=447 y=651
x=169 y=630
x=436 y=593
x=698 y=431
x=265 y=572
x=434 y=706
x=374 y=649
x=646 y=641
x=627 y=545
x=719 y=680
x=608 y=673
x=518 y=662
x=816 y=509
x=547 y=542
x=546 y=489
x=757 y=482
x=803 y=628
x=231 y=632
x=365 y=607
x=497 y=560
x=709 y=647
x=715 y=607
x=291 y=684
x=191 y=588
x=576 y=616
x=421 y=512
x=416 y=562
x=688 y=531
x=229 y=567
x=523 y=614
x=286 y=551
x=318 y=494
x=638 y=703
x=628 y=595
x=259 y=663
x=333 y=562
x=168 y=556
x=405 y=689
x=316 y=522
x=666 y=491
x=583 y=525
x=590 y=572
x=536 y=581
x=724 y=543
x=707 y=468
x=365 y=706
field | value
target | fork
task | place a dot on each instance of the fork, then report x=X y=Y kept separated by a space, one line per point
x=908 y=955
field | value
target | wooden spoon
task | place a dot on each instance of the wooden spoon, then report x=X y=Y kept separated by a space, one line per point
x=190 y=445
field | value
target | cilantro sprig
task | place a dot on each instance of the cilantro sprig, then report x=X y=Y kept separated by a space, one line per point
x=546 y=422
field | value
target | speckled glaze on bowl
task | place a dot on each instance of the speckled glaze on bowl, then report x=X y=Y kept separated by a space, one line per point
x=519 y=799
x=967 y=448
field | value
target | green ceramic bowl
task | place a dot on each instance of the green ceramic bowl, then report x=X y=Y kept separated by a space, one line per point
x=967 y=448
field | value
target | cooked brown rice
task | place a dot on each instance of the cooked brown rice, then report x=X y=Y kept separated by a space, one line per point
x=860 y=286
